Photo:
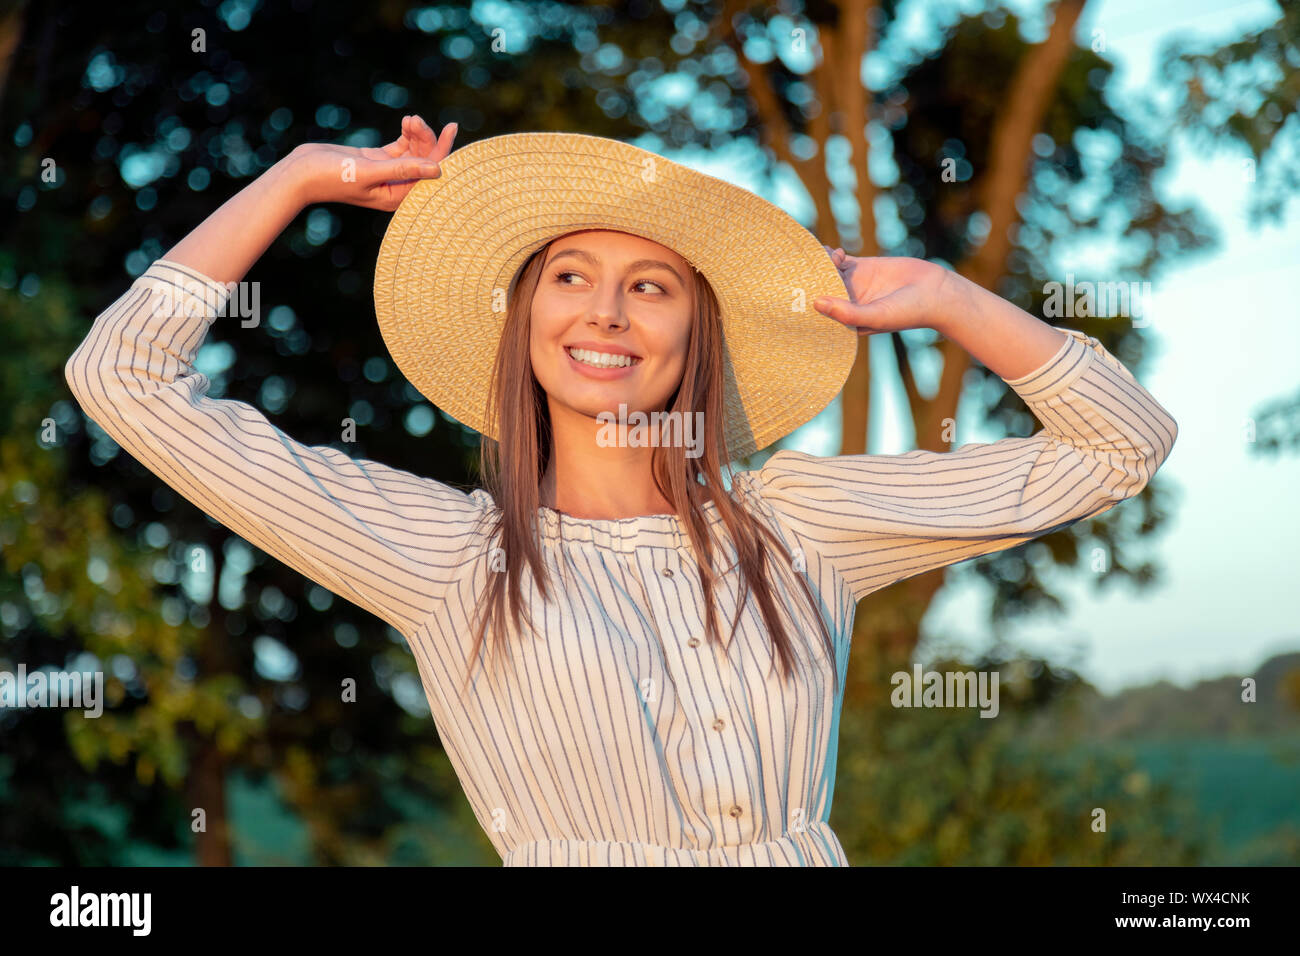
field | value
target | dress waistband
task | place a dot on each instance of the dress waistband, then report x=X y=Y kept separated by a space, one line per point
x=816 y=845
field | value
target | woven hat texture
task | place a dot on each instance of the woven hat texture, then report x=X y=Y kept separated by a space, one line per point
x=452 y=251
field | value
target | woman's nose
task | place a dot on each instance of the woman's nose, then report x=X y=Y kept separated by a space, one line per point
x=607 y=311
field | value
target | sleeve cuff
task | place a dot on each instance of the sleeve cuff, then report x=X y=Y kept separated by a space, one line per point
x=184 y=289
x=1059 y=372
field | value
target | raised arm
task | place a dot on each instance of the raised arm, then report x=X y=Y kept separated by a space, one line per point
x=881 y=518
x=385 y=539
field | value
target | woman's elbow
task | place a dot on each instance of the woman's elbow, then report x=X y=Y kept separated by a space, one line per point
x=1141 y=466
x=1162 y=443
x=77 y=372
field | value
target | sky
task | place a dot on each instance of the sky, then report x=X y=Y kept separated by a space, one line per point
x=1226 y=339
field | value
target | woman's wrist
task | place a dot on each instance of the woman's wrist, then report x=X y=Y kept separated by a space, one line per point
x=957 y=298
x=226 y=244
x=998 y=333
x=294 y=174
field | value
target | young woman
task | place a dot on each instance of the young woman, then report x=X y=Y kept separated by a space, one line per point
x=667 y=654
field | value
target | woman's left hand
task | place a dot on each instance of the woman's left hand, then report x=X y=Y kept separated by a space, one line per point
x=889 y=293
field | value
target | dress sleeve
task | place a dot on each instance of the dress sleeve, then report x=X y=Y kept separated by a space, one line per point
x=879 y=519
x=387 y=540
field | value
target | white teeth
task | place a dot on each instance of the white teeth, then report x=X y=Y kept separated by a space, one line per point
x=602 y=359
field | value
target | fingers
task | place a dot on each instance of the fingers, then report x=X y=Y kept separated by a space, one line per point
x=445 y=139
x=409 y=143
x=420 y=133
x=401 y=170
x=419 y=138
x=410 y=138
x=895 y=311
x=837 y=255
x=838 y=309
x=397 y=147
x=863 y=319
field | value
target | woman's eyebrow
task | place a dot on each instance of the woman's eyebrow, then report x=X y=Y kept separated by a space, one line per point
x=587 y=257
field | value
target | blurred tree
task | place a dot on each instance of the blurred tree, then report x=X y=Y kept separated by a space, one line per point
x=1243 y=94
x=1246 y=94
x=76 y=595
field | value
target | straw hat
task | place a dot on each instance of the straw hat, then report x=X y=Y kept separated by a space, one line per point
x=452 y=251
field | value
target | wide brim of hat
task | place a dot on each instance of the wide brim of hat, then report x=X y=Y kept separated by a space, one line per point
x=454 y=247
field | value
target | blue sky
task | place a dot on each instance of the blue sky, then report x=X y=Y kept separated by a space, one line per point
x=1226 y=336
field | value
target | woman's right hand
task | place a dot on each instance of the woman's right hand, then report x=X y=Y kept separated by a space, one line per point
x=376 y=177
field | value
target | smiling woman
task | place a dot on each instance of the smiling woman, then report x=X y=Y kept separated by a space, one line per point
x=626 y=724
x=611 y=295
x=631 y=318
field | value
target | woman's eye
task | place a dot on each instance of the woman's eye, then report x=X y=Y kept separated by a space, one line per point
x=560 y=277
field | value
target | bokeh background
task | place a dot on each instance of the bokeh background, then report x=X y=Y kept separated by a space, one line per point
x=1016 y=142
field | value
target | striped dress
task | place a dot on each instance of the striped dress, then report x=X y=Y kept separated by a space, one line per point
x=619 y=736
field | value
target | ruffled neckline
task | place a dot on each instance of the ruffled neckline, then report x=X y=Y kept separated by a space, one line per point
x=615 y=534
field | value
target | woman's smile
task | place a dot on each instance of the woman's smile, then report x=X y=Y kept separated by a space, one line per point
x=601 y=364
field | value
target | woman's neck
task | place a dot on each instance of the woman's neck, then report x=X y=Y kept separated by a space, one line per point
x=597 y=499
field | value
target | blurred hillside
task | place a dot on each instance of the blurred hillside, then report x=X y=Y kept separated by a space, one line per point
x=1211 y=707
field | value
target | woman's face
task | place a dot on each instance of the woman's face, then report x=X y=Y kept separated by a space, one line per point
x=610 y=295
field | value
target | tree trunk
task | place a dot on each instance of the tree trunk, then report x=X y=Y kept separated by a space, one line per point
x=206 y=786
x=206 y=789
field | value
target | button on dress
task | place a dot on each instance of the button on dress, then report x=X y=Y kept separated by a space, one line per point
x=619 y=736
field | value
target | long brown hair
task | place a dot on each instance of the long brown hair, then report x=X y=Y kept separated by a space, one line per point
x=513 y=466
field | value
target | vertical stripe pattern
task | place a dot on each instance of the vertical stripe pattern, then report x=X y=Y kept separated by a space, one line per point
x=617 y=735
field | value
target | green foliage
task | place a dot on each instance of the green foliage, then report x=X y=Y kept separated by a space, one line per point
x=72 y=584
x=948 y=787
